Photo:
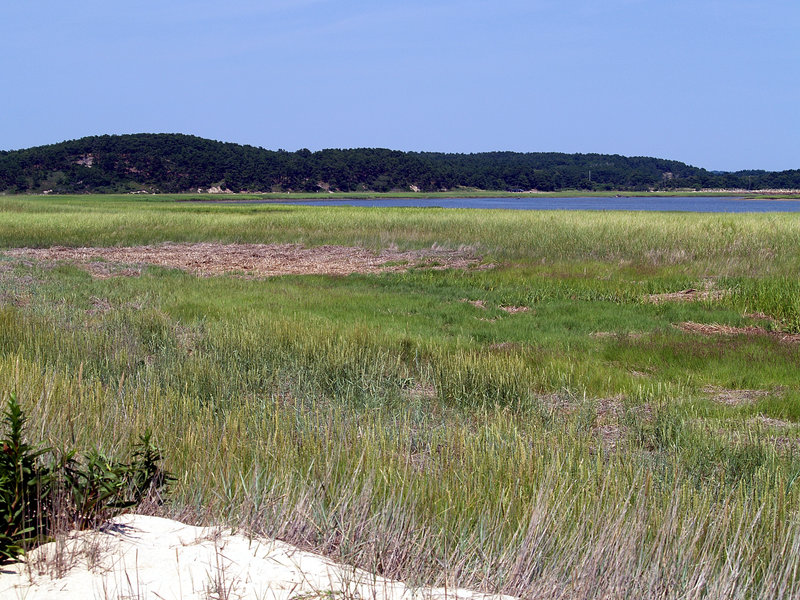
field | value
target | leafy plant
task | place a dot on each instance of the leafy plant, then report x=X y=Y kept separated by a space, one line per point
x=24 y=485
x=84 y=490
x=148 y=479
x=95 y=487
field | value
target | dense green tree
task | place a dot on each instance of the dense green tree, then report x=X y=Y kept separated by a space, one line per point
x=176 y=162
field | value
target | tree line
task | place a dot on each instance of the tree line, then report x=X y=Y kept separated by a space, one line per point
x=183 y=163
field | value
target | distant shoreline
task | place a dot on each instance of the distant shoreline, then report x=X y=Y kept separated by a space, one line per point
x=222 y=197
x=278 y=197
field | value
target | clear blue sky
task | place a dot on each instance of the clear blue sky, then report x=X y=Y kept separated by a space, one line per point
x=710 y=82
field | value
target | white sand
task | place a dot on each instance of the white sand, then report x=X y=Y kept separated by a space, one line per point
x=136 y=556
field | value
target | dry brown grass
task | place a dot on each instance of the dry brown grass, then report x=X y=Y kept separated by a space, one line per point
x=255 y=260
x=717 y=329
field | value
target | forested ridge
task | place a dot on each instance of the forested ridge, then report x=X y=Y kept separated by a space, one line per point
x=185 y=163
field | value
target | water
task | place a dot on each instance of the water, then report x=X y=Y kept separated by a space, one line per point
x=670 y=203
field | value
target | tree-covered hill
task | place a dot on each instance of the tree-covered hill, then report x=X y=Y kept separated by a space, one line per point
x=183 y=163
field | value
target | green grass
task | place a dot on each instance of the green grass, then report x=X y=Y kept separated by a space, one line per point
x=575 y=449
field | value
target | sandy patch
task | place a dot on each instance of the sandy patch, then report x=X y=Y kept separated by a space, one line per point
x=136 y=556
x=256 y=260
x=716 y=329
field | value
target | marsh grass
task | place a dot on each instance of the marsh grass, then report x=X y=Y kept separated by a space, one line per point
x=572 y=450
x=718 y=244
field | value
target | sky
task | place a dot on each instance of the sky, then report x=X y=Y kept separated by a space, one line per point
x=712 y=83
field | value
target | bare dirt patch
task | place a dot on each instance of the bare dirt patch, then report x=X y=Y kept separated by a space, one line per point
x=781 y=443
x=760 y=316
x=608 y=427
x=614 y=420
x=609 y=417
x=717 y=329
x=255 y=260
x=765 y=421
x=514 y=309
x=15 y=288
x=689 y=295
x=784 y=443
x=632 y=335
x=610 y=408
x=475 y=303
x=99 y=306
x=734 y=397
x=422 y=391
x=505 y=347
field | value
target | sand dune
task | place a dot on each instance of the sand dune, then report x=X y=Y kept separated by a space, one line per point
x=135 y=556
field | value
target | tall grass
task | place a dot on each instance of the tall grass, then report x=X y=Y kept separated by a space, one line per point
x=522 y=500
x=569 y=451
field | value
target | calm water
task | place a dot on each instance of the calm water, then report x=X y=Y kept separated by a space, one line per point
x=673 y=203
